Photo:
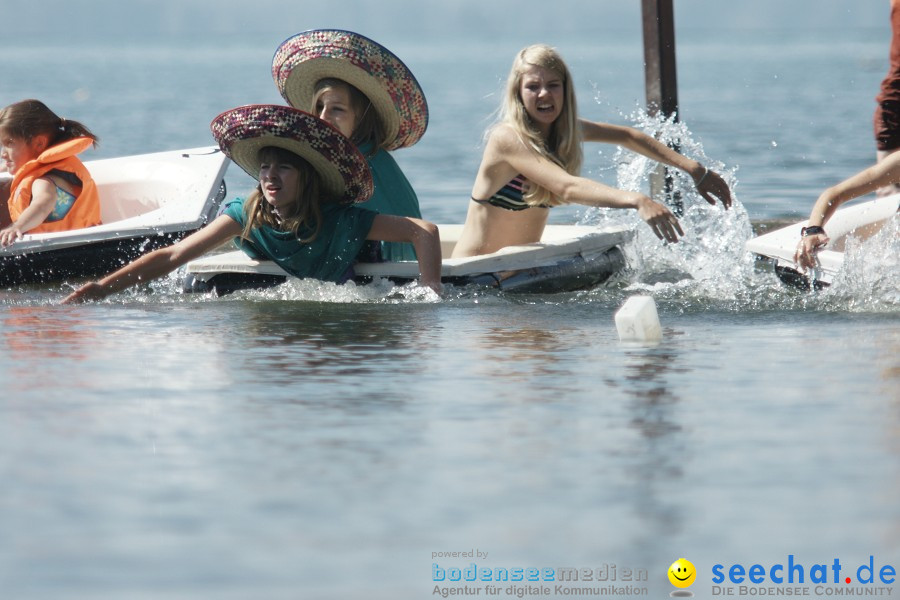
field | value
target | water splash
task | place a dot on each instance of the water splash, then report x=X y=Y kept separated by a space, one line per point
x=871 y=266
x=709 y=267
x=311 y=290
x=711 y=255
x=168 y=290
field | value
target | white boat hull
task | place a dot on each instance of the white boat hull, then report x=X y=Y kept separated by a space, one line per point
x=777 y=248
x=147 y=201
x=568 y=257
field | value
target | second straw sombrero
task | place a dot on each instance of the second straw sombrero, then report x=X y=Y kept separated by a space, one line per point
x=243 y=131
x=304 y=59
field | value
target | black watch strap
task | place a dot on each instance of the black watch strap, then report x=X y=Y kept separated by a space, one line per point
x=812 y=230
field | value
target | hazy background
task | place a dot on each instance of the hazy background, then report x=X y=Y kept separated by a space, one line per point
x=783 y=90
x=415 y=18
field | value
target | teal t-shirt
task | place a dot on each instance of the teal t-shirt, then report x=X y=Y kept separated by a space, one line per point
x=393 y=196
x=328 y=257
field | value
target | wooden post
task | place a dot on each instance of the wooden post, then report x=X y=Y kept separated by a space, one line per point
x=661 y=83
x=659 y=57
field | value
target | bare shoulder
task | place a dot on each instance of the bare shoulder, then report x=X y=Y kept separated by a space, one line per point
x=504 y=141
x=503 y=136
x=43 y=183
x=42 y=187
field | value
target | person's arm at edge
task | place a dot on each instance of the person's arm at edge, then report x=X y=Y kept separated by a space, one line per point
x=868 y=180
x=424 y=237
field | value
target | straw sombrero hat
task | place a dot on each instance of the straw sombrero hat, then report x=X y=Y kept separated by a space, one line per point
x=242 y=132
x=304 y=59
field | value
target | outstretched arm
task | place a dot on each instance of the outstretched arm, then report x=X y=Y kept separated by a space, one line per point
x=879 y=175
x=425 y=238
x=709 y=184
x=159 y=262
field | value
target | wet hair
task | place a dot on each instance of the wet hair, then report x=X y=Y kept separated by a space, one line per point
x=563 y=146
x=305 y=211
x=368 y=127
x=29 y=118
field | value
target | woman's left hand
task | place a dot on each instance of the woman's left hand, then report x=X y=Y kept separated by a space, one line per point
x=711 y=186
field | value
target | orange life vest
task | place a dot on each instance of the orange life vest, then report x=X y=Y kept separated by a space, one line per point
x=85 y=211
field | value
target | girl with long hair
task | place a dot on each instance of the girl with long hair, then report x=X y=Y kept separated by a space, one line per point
x=533 y=157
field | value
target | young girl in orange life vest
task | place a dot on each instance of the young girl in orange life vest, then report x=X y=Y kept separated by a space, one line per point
x=51 y=189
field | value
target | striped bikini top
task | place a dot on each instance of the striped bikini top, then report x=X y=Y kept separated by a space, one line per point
x=509 y=197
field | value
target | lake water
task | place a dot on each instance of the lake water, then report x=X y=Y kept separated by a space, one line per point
x=316 y=441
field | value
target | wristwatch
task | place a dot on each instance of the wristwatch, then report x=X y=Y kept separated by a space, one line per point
x=812 y=230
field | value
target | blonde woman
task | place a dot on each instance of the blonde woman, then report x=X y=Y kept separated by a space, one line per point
x=533 y=157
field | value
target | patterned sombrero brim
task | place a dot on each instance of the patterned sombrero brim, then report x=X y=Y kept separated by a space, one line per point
x=242 y=132
x=303 y=60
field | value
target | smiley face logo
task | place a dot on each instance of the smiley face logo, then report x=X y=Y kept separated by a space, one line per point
x=682 y=573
